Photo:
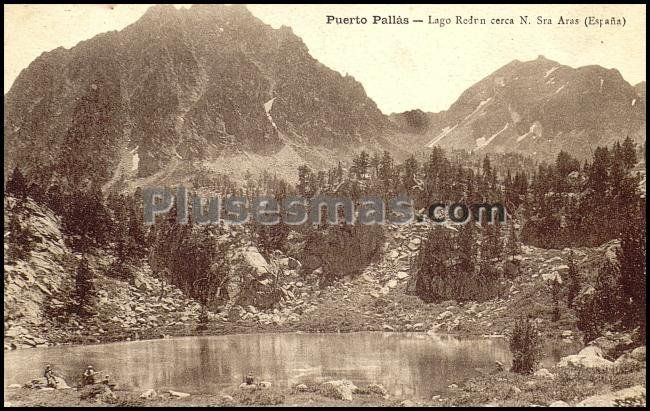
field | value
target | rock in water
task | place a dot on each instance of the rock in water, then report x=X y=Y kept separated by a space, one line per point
x=340 y=389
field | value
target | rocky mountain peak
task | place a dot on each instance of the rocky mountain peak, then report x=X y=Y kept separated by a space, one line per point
x=181 y=87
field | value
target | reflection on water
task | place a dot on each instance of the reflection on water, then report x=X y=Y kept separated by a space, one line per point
x=416 y=365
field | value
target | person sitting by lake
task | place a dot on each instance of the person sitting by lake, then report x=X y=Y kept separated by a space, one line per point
x=50 y=380
x=88 y=377
x=249 y=379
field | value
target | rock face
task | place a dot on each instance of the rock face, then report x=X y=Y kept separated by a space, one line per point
x=29 y=283
x=610 y=400
x=38 y=288
x=179 y=86
x=252 y=281
x=340 y=390
x=538 y=107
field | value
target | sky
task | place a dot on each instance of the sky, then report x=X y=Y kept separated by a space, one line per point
x=401 y=67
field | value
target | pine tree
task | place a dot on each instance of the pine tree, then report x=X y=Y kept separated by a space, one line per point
x=555 y=296
x=17 y=184
x=19 y=240
x=84 y=293
x=628 y=153
x=305 y=178
x=467 y=248
x=432 y=271
x=488 y=173
x=361 y=164
x=136 y=241
x=513 y=247
x=603 y=308
x=525 y=346
x=375 y=161
x=339 y=173
x=411 y=167
x=386 y=170
x=632 y=259
x=492 y=245
x=574 y=282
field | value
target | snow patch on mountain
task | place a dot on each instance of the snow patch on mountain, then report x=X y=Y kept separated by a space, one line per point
x=481 y=104
x=267 y=108
x=482 y=142
x=548 y=73
x=135 y=160
x=440 y=136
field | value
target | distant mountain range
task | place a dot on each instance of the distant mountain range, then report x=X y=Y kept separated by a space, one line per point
x=537 y=107
x=214 y=89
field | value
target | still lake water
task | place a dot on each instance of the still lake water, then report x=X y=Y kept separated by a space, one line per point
x=407 y=364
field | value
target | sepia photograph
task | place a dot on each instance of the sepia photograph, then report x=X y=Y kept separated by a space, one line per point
x=308 y=205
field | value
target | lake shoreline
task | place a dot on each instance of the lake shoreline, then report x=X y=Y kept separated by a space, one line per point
x=164 y=333
x=568 y=386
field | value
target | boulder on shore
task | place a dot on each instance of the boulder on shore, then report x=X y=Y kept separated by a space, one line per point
x=586 y=361
x=59 y=383
x=638 y=353
x=178 y=394
x=544 y=373
x=340 y=389
x=148 y=394
x=613 y=345
x=244 y=386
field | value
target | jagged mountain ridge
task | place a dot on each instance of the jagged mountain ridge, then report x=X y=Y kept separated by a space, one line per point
x=539 y=107
x=181 y=86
